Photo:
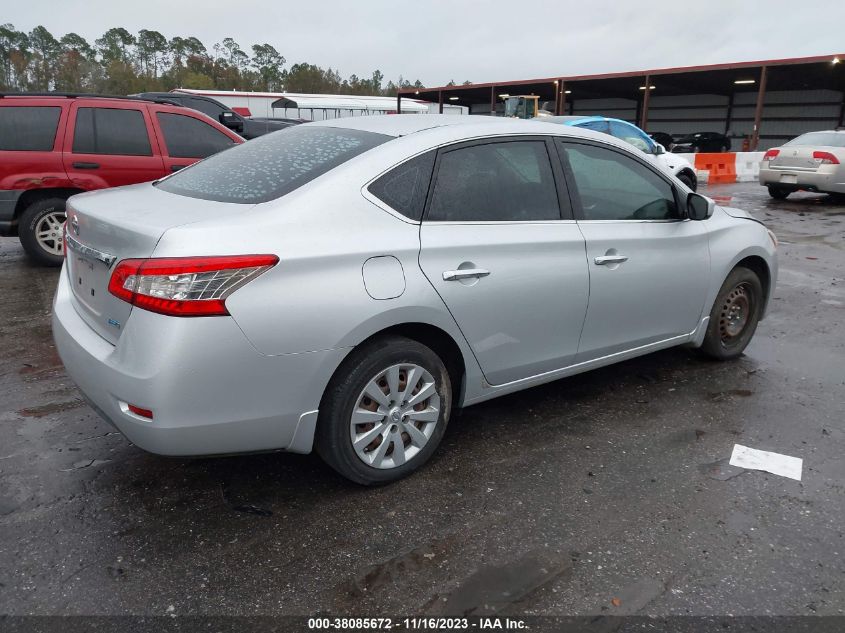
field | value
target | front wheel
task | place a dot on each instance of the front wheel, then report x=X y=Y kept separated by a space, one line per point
x=777 y=193
x=385 y=411
x=735 y=314
x=40 y=231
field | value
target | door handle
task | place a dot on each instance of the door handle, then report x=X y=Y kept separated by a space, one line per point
x=610 y=259
x=177 y=167
x=467 y=273
x=86 y=165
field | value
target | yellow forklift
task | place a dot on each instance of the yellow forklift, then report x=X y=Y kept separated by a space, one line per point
x=524 y=107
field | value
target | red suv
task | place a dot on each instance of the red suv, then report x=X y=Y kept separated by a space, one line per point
x=53 y=146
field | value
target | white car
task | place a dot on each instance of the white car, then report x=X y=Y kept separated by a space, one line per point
x=676 y=165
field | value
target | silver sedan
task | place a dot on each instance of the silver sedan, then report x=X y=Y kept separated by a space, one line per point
x=811 y=162
x=345 y=285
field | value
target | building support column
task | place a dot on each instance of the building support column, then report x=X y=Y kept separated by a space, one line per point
x=758 y=111
x=730 y=113
x=440 y=100
x=492 y=100
x=561 y=102
x=644 y=112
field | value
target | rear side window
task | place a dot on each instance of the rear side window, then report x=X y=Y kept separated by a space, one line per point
x=111 y=131
x=187 y=137
x=206 y=107
x=272 y=165
x=28 y=128
x=404 y=188
x=495 y=182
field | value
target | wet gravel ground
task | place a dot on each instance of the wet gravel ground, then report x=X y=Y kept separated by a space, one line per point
x=606 y=493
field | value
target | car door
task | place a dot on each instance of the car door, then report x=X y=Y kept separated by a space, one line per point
x=509 y=267
x=186 y=138
x=110 y=145
x=649 y=266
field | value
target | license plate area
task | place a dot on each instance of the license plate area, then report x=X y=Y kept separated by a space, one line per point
x=790 y=179
x=89 y=280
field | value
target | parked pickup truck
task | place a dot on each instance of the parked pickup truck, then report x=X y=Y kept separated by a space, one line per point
x=55 y=145
x=247 y=127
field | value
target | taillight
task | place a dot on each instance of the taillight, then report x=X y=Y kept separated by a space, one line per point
x=772 y=153
x=64 y=239
x=186 y=286
x=825 y=158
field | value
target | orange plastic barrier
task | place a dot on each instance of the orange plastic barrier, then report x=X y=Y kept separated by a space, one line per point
x=722 y=167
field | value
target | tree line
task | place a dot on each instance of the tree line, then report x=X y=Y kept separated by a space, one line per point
x=122 y=63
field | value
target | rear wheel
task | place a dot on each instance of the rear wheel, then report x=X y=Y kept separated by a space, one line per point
x=734 y=317
x=40 y=230
x=385 y=411
x=778 y=193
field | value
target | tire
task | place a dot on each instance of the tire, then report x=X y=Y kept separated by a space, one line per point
x=366 y=369
x=777 y=193
x=723 y=149
x=688 y=181
x=741 y=295
x=40 y=231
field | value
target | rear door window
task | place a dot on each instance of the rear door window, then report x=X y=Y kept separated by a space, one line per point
x=111 y=131
x=404 y=188
x=28 y=128
x=495 y=182
x=187 y=137
x=272 y=165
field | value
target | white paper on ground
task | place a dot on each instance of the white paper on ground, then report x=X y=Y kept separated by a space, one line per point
x=774 y=463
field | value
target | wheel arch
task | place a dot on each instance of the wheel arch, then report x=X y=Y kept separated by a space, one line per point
x=31 y=196
x=435 y=338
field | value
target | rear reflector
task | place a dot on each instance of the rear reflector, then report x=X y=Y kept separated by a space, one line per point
x=825 y=158
x=772 y=153
x=144 y=413
x=186 y=286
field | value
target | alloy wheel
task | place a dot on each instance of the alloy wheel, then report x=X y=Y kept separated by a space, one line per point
x=48 y=232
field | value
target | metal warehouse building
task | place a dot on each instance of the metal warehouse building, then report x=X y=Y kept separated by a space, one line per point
x=758 y=104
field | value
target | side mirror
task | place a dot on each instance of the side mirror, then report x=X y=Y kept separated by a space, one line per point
x=699 y=207
x=659 y=149
x=232 y=121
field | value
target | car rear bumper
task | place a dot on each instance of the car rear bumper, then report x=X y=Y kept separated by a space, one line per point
x=827 y=179
x=210 y=391
x=8 y=203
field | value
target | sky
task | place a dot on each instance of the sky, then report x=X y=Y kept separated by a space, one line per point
x=437 y=41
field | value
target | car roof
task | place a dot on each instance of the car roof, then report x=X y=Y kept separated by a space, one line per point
x=421 y=132
x=21 y=96
x=454 y=125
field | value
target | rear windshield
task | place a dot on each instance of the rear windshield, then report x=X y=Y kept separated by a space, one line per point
x=28 y=128
x=272 y=165
x=828 y=139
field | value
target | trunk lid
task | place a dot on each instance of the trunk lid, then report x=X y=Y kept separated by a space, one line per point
x=797 y=157
x=108 y=226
